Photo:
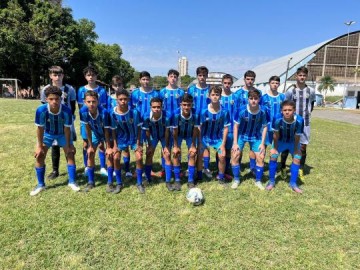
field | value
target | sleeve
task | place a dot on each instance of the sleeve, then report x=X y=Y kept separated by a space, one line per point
x=168 y=118
x=84 y=115
x=72 y=93
x=300 y=126
x=80 y=96
x=202 y=117
x=68 y=116
x=111 y=119
x=175 y=120
x=289 y=94
x=103 y=98
x=237 y=117
x=42 y=95
x=264 y=119
x=312 y=95
x=40 y=117
x=226 y=119
x=145 y=124
x=276 y=124
x=106 y=119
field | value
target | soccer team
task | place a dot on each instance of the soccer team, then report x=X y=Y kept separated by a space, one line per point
x=204 y=117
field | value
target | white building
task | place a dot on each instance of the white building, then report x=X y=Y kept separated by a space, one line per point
x=183 y=66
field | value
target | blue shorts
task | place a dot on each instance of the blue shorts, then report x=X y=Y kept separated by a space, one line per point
x=207 y=143
x=59 y=140
x=282 y=146
x=188 y=142
x=254 y=146
x=95 y=140
x=229 y=141
x=154 y=142
x=83 y=131
x=269 y=138
x=122 y=146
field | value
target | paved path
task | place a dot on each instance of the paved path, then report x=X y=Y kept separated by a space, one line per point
x=352 y=117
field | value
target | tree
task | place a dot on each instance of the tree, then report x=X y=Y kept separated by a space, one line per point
x=186 y=80
x=159 y=82
x=326 y=84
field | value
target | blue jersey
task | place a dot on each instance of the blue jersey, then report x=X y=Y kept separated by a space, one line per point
x=53 y=124
x=68 y=94
x=140 y=101
x=126 y=125
x=273 y=103
x=200 y=96
x=157 y=128
x=243 y=95
x=250 y=125
x=231 y=104
x=287 y=131
x=98 y=123
x=111 y=103
x=212 y=124
x=102 y=94
x=184 y=125
x=171 y=98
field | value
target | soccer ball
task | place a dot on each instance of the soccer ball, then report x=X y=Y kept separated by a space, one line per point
x=195 y=196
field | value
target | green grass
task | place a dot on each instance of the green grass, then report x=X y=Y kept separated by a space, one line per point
x=242 y=229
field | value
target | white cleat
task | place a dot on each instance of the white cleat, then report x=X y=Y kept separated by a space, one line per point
x=37 y=190
x=259 y=185
x=235 y=185
x=103 y=172
x=74 y=187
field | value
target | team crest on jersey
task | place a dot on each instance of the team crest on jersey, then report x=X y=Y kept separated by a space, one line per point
x=307 y=95
x=131 y=120
x=166 y=95
x=177 y=96
x=246 y=119
x=232 y=102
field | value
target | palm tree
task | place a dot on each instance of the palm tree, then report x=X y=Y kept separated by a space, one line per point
x=326 y=84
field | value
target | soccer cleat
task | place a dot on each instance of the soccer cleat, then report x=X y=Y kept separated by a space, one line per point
x=177 y=186
x=74 y=187
x=104 y=172
x=191 y=185
x=169 y=186
x=259 y=185
x=297 y=189
x=118 y=188
x=221 y=181
x=128 y=175
x=228 y=177
x=251 y=172
x=235 y=185
x=270 y=186
x=283 y=173
x=53 y=175
x=89 y=186
x=109 y=188
x=86 y=171
x=141 y=188
x=37 y=190
x=208 y=173
x=301 y=175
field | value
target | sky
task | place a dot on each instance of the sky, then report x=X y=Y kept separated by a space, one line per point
x=229 y=36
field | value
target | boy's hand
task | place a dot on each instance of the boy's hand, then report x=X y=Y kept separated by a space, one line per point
x=90 y=150
x=139 y=149
x=235 y=148
x=149 y=149
x=70 y=150
x=222 y=151
x=176 y=151
x=109 y=151
x=273 y=152
x=192 y=150
x=262 y=148
x=39 y=151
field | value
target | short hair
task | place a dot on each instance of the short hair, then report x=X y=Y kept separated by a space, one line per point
x=274 y=78
x=249 y=73
x=144 y=74
x=253 y=93
x=227 y=76
x=187 y=98
x=122 y=92
x=52 y=90
x=91 y=93
x=202 y=69
x=56 y=70
x=216 y=89
x=302 y=69
x=155 y=99
x=288 y=103
x=116 y=80
x=91 y=70
x=174 y=72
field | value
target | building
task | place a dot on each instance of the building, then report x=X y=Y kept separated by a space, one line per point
x=214 y=78
x=183 y=66
x=337 y=57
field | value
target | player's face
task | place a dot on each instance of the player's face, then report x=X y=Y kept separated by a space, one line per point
x=301 y=77
x=144 y=82
x=186 y=108
x=274 y=85
x=249 y=81
x=90 y=77
x=202 y=78
x=156 y=108
x=288 y=112
x=172 y=79
x=91 y=103
x=253 y=101
x=54 y=101
x=117 y=86
x=214 y=97
x=122 y=101
x=227 y=83
x=56 y=78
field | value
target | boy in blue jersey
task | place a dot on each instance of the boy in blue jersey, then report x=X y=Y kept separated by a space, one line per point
x=287 y=132
x=230 y=102
x=272 y=100
x=157 y=129
x=68 y=97
x=200 y=92
x=53 y=122
x=90 y=74
x=186 y=128
x=249 y=80
x=250 y=126
x=95 y=119
x=215 y=123
x=117 y=85
x=304 y=98
x=126 y=131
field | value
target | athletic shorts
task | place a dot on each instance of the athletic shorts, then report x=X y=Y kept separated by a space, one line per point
x=59 y=140
x=254 y=146
x=305 y=137
x=229 y=141
x=283 y=146
x=207 y=143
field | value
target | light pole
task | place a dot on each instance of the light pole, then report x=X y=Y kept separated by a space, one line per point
x=179 y=67
x=286 y=74
x=348 y=24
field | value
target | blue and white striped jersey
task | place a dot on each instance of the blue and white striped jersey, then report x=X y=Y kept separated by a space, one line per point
x=98 y=123
x=68 y=94
x=140 y=101
x=102 y=94
x=200 y=96
x=250 y=125
x=111 y=103
x=231 y=104
x=126 y=125
x=184 y=125
x=53 y=124
x=158 y=127
x=287 y=131
x=212 y=124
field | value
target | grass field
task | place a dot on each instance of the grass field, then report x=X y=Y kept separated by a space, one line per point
x=234 y=229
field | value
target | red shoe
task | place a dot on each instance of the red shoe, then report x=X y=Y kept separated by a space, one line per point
x=228 y=177
x=297 y=189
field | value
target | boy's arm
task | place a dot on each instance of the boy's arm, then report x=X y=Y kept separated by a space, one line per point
x=176 y=149
x=263 y=138
x=89 y=137
x=69 y=148
x=274 y=149
x=223 y=143
x=296 y=145
x=40 y=141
